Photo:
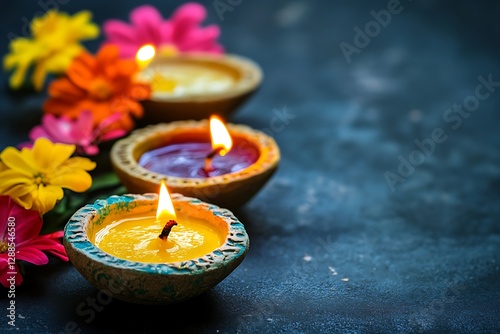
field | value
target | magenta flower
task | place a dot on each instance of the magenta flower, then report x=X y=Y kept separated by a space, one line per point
x=80 y=132
x=183 y=31
x=19 y=240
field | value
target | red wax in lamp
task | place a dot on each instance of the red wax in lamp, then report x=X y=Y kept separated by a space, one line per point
x=186 y=157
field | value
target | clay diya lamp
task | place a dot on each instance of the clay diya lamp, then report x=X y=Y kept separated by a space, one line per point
x=179 y=151
x=129 y=247
x=192 y=86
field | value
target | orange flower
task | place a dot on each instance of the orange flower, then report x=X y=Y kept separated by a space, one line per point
x=102 y=84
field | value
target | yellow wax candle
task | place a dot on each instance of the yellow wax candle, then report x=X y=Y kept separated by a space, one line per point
x=135 y=238
x=187 y=79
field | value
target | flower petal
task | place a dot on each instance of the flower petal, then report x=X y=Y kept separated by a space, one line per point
x=126 y=122
x=201 y=39
x=46 y=197
x=90 y=149
x=78 y=163
x=32 y=255
x=100 y=109
x=147 y=20
x=59 y=107
x=39 y=75
x=83 y=127
x=139 y=91
x=12 y=177
x=61 y=61
x=108 y=54
x=129 y=51
x=49 y=155
x=74 y=179
x=81 y=71
x=166 y=31
x=83 y=28
x=22 y=194
x=113 y=134
x=21 y=64
x=189 y=15
x=15 y=159
x=120 y=33
x=64 y=90
x=37 y=132
x=58 y=130
x=28 y=222
x=49 y=243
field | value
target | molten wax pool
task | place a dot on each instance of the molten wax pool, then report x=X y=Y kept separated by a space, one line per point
x=188 y=160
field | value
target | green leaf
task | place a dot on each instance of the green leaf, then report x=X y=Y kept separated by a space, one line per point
x=103 y=181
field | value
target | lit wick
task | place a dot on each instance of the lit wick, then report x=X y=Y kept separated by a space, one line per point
x=221 y=141
x=209 y=157
x=166 y=230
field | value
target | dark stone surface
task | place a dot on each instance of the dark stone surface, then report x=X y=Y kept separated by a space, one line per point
x=333 y=249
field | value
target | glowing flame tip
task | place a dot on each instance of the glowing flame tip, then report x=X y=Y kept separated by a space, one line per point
x=146 y=52
x=220 y=136
x=165 y=209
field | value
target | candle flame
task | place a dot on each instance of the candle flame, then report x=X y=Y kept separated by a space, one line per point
x=145 y=55
x=221 y=140
x=165 y=209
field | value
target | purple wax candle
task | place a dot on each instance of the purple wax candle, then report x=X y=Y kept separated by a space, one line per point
x=187 y=159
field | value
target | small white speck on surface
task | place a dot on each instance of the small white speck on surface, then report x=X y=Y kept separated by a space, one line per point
x=333 y=271
x=21 y=316
x=307 y=258
x=345 y=279
x=269 y=320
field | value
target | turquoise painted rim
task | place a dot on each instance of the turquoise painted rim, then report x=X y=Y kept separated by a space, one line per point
x=75 y=235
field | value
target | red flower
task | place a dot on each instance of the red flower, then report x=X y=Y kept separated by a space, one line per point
x=19 y=240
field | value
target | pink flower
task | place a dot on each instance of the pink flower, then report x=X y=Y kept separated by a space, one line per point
x=19 y=240
x=182 y=31
x=80 y=132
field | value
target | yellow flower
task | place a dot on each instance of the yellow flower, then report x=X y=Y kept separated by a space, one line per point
x=54 y=44
x=34 y=178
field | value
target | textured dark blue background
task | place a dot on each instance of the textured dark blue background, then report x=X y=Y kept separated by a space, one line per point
x=333 y=249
